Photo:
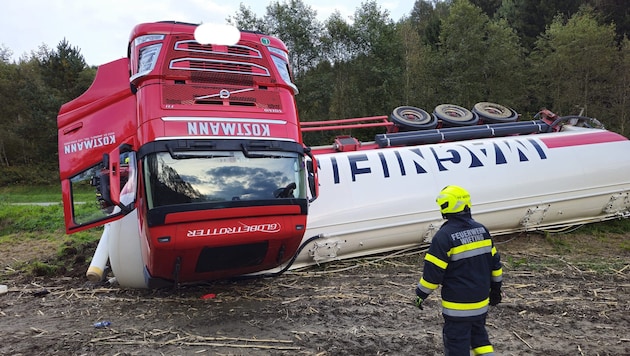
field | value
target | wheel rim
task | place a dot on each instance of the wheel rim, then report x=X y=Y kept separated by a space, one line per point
x=456 y=115
x=412 y=117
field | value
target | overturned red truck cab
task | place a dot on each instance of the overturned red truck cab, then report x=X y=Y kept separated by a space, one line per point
x=202 y=143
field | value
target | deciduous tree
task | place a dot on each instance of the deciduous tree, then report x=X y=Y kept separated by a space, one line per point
x=296 y=24
x=480 y=59
x=576 y=64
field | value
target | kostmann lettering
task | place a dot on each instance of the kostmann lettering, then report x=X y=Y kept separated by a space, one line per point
x=89 y=143
x=230 y=230
x=229 y=129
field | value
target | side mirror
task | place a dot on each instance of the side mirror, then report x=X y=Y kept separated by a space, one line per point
x=114 y=176
x=102 y=183
x=313 y=181
x=122 y=178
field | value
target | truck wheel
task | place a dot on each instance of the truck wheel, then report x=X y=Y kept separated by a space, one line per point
x=494 y=112
x=453 y=115
x=412 y=118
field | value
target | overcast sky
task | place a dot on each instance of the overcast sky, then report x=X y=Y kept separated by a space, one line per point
x=100 y=28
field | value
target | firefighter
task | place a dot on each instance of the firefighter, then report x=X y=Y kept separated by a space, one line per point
x=462 y=258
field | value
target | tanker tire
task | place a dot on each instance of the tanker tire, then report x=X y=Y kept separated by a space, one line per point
x=494 y=112
x=455 y=115
x=412 y=118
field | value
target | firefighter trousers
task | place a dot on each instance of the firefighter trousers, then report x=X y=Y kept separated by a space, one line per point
x=462 y=336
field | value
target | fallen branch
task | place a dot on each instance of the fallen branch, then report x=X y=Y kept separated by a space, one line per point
x=291 y=300
x=520 y=338
x=519 y=286
x=100 y=339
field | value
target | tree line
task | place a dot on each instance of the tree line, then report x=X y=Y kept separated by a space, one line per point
x=570 y=56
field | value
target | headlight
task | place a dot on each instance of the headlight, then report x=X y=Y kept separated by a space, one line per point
x=147 y=57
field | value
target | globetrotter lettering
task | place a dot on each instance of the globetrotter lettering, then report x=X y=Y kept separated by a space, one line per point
x=269 y=228
x=89 y=143
x=229 y=129
x=435 y=159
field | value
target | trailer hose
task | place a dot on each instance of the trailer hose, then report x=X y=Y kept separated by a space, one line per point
x=562 y=119
x=287 y=266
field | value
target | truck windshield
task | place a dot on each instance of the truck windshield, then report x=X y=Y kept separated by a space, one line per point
x=219 y=176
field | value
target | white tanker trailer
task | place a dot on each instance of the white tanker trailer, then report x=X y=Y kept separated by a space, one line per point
x=384 y=199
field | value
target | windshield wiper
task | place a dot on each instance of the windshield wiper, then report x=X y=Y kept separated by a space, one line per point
x=248 y=154
x=181 y=155
x=188 y=156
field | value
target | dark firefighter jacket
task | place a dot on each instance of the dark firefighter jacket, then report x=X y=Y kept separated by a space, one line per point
x=463 y=259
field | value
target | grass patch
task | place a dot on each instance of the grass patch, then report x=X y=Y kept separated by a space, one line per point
x=532 y=263
x=516 y=262
x=602 y=248
x=44 y=193
x=560 y=244
x=38 y=268
x=601 y=265
x=617 y=227
x=30 y=218
x=33 y=241
x=27 y=218
x=33 y=254
x=32 y=194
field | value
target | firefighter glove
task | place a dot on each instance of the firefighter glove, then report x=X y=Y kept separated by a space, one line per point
x=495 y=296
x=418 y=302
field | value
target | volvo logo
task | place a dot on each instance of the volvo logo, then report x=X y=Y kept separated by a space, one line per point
x=224 y=94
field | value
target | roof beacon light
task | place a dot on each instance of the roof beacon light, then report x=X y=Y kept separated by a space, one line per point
x=209 y=33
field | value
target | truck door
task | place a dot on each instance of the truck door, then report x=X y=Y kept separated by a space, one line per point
x=91 y=128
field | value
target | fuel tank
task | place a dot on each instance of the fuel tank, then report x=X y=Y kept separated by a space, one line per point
x=373 y=201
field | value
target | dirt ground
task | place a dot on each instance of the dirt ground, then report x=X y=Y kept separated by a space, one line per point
x=563 y=296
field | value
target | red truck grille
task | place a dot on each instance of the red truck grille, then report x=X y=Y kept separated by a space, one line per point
x=236 y=50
